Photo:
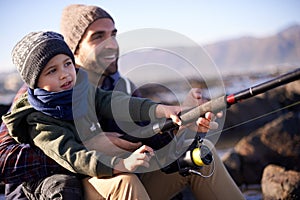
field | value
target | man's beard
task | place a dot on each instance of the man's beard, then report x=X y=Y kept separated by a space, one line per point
x=111 y=69
x=96 y=64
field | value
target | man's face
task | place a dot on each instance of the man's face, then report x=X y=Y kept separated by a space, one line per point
x=98 y=50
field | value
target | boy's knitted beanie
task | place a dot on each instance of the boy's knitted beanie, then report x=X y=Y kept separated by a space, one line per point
x=75 y=20
x=34 y=51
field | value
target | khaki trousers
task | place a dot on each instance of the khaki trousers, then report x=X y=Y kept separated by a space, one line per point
x=122 y=187
x=158 y=185
x=220 y=185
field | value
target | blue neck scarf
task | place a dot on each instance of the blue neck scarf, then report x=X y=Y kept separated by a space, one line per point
x=59 y=104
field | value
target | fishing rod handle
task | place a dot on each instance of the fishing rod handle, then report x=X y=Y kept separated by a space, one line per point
x=215 y=105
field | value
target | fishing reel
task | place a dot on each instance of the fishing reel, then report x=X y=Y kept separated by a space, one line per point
x=191 y=161
x=197 y=156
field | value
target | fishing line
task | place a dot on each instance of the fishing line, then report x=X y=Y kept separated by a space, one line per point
x=255 y=118
x=220 y=103
x=216 y=105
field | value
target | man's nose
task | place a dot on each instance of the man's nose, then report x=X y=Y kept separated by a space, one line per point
x=111 y=43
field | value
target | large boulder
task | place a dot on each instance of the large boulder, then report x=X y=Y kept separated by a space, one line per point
x=278 y=142
x=266 y=128
x=279 y=183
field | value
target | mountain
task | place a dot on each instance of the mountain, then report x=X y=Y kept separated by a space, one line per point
x=252 y=54
x=277 y=53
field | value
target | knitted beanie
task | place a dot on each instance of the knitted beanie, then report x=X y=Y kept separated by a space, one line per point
x=34 y=51
x=75 y=20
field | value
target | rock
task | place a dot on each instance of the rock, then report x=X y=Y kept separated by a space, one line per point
x=267 y=137
x=232 y=161
x=283 y=137
x=277 y=183
x=278 y=142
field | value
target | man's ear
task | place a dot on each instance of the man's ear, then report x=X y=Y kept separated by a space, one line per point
x=78 y=62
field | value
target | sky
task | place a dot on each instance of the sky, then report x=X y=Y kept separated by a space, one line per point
x=202 y=21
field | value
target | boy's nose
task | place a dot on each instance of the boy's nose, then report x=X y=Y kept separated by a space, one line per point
x=64 y=73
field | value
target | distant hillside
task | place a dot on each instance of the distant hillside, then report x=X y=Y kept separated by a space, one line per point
x=245 y=55
x=253 y=54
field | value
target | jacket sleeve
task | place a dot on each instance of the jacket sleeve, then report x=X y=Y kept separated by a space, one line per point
x=23 y=162
x=58 y=140
x=121 y=106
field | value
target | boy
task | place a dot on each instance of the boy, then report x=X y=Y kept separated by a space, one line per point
x=46 y=65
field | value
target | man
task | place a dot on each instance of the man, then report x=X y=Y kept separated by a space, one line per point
x=99 y=28
x=89 y=30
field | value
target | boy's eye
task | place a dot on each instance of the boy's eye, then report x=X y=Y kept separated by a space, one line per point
x=51 y=71
x=68 y=63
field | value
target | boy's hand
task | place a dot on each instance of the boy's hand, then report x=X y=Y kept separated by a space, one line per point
x=140 y=157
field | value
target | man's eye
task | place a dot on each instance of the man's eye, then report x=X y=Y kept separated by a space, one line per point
x=97 y=36
x=114 y=34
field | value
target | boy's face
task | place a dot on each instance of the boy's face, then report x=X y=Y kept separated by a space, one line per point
x=58 y=75
x=98 y=49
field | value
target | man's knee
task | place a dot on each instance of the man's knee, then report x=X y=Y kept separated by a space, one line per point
x=128 y=178
x=121 y=186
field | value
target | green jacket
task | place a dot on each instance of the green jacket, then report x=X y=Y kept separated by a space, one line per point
x=59 y=139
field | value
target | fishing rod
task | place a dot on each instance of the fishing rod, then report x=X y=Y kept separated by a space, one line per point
x=224 y=102
x=215 y=105
x=198 y=154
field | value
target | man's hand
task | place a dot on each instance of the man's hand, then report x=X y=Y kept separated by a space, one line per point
x=193 y=98
x=203 y=124
x=110 y=143
x=168 y=112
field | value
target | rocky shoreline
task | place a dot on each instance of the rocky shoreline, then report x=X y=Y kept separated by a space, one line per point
x=270 y=153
